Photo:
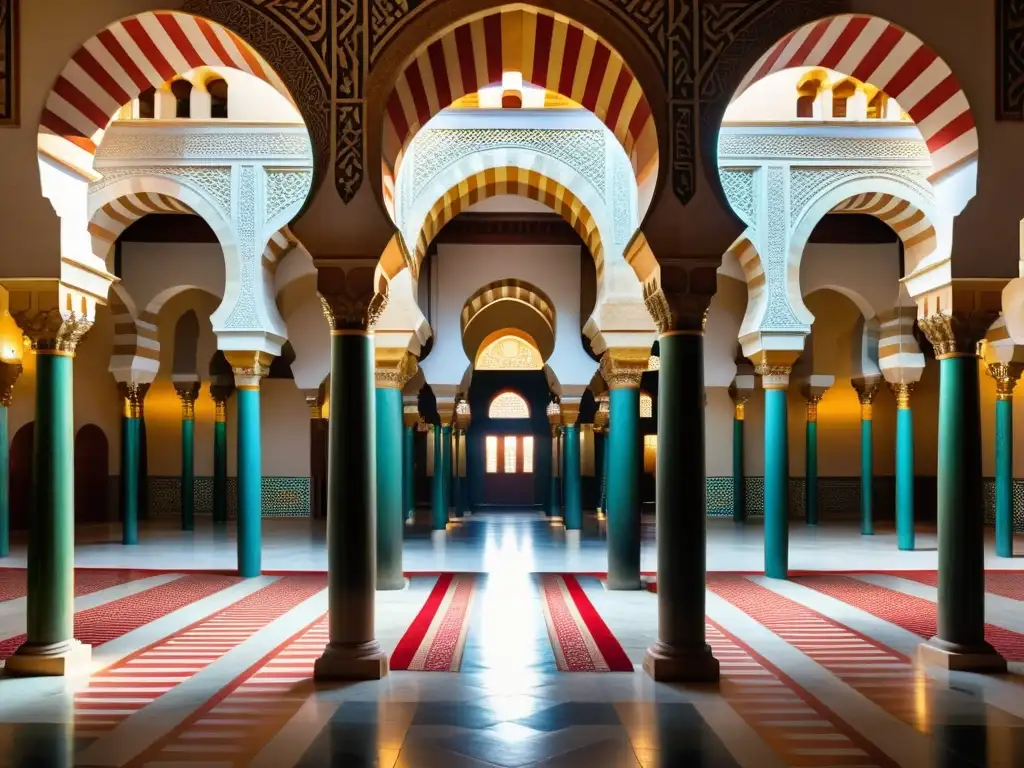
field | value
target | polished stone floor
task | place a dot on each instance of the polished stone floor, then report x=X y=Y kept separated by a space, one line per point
x=211 y=671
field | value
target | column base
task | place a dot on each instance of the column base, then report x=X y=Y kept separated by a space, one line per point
x=363 y=661
x=572 y=539
x=410 y=521
x=60 y=660
x=666 y=664
x=438 y=538
x=959 y=658
x=391 y=583
x=623 y=583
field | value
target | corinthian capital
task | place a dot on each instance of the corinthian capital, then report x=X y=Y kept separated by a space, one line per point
x=622 y=367
x=351 y=297
x=678 y=296
x=393 y=367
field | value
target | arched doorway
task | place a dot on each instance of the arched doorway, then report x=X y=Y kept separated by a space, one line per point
x=21 y=476
x=92 y=470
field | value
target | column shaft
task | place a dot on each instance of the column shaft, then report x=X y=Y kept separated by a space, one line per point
x=961 y=610
x=188 y=473
x=554 y=494
x=682 y=652
x=353 y=652
x=439 y=515
x=50 y=647
x=408 y=473
x=623 y=490
x=739 y=491
x=130 y=440
x=604 y=473
x=389 y=488
x=456 y=477
x=573 y=503
x=811 y=471
x=250 y=480
x=446 y=464
x=5 y=485
x=867 y=471
x=220 y=468
x=1004 y=476
x=776 y=484
x=905 y=477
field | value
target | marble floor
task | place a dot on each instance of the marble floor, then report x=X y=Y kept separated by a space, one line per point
x=211 y=671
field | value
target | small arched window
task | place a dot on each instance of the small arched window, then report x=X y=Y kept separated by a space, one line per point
x=508 y=405
x=182 y=90
x=807 y=94
x=877 y=105
x=147 y=104
x=841 y=95
x=218 y=90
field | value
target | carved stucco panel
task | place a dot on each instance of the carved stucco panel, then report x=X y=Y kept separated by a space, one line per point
x=212 y=181
x=244 y=315
x=808 y=184
x=127 y=144
x=738 y=185
x=779 y=315
x=780 y=145
x=285 y=188
x=436 y=149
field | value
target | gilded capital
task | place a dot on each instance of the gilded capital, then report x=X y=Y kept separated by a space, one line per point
x=9 y=373
x=393 y=367
x=903 y=391
x=187 y=393
x=622 y=367
x=957 y=334
x=315 y=402
x=249 y=367
x=352 y=298
x=1006 y=376
x=603 y=415
x=133 y=394
x=674 y=311
x=812 y=407
x=867 y=388
x=53 y=331
x=570 y=413
x=774 y=367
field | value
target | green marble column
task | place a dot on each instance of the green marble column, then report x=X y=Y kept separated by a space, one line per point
x=554 y=492
x=866 y=391
x=409 y=472
x=904 y=466
x=220 y=461
x=739 y=487
x=775 y=379
x=811 y=461
x=573 y=502
x=456 y=475
x=389 y=486
x=353 y=652
x=132 y=394
x=446 y=473
x=50 y=647
x=604 y=476
x=681 y=653
x=439 y=513
x=622 y=373
x=188 y=395
x=9 y=373
x=960 y=641
x=249 y=368
x=1006 y=377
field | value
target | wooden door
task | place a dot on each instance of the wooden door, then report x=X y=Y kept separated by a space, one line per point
x=92 y=473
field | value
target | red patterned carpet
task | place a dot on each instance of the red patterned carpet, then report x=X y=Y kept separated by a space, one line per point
x=436 y=638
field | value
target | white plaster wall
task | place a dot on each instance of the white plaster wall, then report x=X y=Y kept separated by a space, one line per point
x=867 y=274
x=149 y=269
x=459 y=270
x=249 y=98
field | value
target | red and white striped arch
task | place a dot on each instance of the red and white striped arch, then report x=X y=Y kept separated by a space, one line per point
x=878 y=52
x=551 y=52
x=126 y=58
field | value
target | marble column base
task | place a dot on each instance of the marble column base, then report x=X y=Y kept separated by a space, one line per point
x=438 y=538
x=391 y=583
x=666 y=664
x=957 y=658
x=364 y=661
x=622 y=585
x=61 y=660
x=572 y=539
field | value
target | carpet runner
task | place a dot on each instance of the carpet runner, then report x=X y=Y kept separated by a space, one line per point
x=579 y=637
x=436 y=638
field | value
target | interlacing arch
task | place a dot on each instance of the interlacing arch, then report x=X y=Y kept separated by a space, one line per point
x=122 y=61
x=909 y=222
x=508 y=290
x=893 y=60
x=136 y=338
x=551 y=52
x=512 y=181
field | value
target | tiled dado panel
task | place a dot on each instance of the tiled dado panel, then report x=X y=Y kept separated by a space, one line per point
x=282 y=496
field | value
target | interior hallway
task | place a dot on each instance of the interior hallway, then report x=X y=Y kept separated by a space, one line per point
x=213 y=668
